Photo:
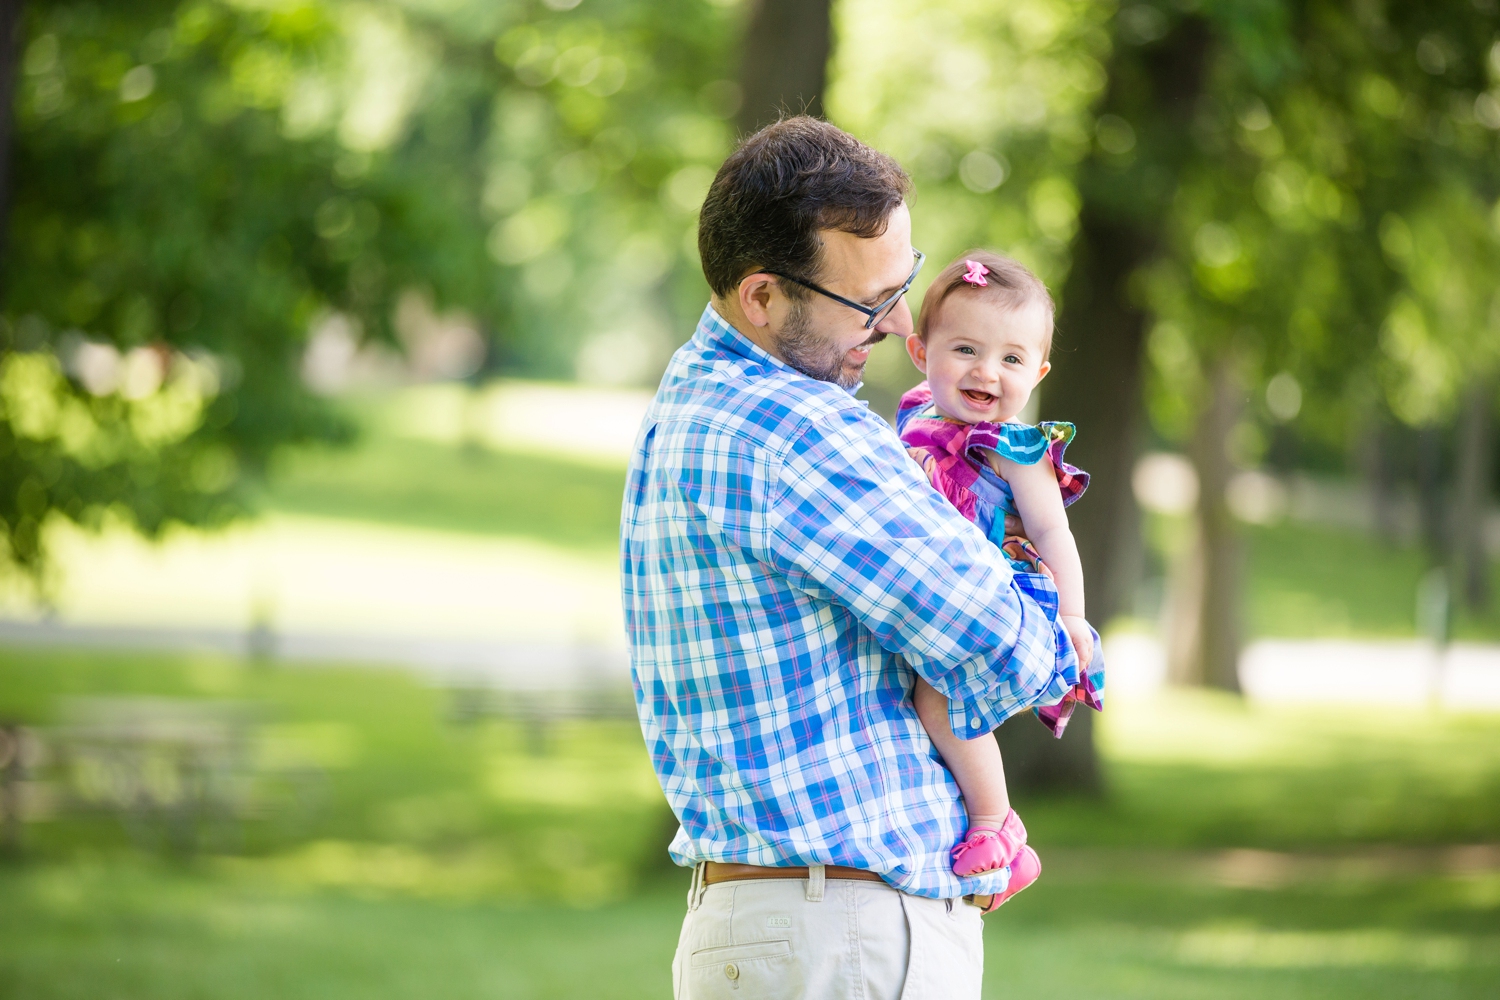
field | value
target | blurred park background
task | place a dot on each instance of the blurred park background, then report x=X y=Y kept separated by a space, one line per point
x=325 y=328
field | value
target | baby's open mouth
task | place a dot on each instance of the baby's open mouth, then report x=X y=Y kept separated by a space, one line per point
x=979 y=398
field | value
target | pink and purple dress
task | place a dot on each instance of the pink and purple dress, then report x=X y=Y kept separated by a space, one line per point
x=952 y=454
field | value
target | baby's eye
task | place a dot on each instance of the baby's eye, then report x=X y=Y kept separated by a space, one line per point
x=1011 y=359
x=965 y=350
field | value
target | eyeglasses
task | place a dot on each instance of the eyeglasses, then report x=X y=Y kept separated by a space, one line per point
x=873 y=314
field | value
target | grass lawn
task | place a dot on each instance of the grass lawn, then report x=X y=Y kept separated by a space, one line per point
x=1122 y=929
x=1093 y=927
x=470 y=489
x=136 y=931
x=1241 y=852
x=1303 y=580
x=1315 y=580
x=370 y=779
x=395 y=842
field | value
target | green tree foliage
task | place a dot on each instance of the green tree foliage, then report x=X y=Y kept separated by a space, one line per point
x=1329 y=247
x=196 y=184
x=989 y=104
x=1337 y=221
x=1294 y=202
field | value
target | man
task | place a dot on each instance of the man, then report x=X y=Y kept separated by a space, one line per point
x=787 y=568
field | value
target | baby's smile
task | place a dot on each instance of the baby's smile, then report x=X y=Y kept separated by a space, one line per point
x=983 y=357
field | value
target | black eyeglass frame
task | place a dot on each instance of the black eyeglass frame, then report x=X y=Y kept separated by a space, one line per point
x=874 y=314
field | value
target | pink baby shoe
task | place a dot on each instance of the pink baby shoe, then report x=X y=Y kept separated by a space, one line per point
x=986 y=849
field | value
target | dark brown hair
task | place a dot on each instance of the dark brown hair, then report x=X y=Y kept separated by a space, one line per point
x=1008 y=281
x=779 y=188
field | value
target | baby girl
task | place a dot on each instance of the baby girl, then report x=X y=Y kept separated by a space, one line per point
x=983 y=340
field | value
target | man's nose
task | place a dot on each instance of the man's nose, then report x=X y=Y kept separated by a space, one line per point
x=897 y=322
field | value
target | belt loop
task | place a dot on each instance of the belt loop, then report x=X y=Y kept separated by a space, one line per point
x=696 y=886
x=815 y=883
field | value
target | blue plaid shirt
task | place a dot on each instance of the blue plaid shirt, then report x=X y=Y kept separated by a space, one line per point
x=787 y=570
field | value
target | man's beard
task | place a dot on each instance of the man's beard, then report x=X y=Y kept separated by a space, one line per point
x=813 y=355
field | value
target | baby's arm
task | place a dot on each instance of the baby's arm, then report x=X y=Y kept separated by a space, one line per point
x=1040 y=503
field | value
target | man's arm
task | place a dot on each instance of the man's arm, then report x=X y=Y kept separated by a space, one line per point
x=852 y=519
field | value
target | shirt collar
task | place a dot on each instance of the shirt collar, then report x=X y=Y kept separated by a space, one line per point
x=719 y=335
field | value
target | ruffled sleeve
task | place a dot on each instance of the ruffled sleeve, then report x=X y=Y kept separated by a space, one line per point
x=1025 y=444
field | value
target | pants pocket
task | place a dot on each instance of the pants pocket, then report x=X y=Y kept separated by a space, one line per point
x=760 y=969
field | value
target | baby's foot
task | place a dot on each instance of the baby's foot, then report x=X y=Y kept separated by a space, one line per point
x=987 y=849
x=1025 y=867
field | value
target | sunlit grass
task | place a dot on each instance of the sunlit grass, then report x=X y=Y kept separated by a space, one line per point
x=1318 y=580
x=130 y=928
x=1302 y=580
x=408 y=795
x=316 y=575
x=1121 y=938
x=1199 y=768
x=89 y=931
x=1187 y=769
x=558 y=500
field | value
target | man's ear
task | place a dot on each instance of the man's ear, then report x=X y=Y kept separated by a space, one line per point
x=917 y=351
x=755 y=297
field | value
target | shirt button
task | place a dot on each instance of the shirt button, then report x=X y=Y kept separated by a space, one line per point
x=732 y=971
x=976 y=722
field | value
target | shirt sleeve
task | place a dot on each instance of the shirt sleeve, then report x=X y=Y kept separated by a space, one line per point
x=853 y=520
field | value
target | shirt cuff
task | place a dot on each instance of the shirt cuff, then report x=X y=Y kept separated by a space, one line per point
x=1024 y=679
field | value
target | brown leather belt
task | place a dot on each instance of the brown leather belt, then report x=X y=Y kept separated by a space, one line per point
x=719 y=871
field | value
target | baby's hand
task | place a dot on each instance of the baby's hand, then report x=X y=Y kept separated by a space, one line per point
x=1082 y=636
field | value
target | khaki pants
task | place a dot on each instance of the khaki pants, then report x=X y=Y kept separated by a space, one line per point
x=769 y=939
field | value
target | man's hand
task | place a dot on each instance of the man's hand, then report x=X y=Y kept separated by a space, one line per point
x=1013 y=526
x=1082 y=636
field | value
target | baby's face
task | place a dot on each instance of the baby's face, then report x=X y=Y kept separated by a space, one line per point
x=982 y=360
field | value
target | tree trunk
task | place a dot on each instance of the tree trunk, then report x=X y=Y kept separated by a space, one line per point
x=1218 y=638
x=1036 y=761
x=1472 y=493
x=1096 y=378
x=1432 y=510
x=1377 y=469
x=1096 y=366
x=12 y=765
x=1098 y=381
x=785 y=61
x=1096 y=385
x=1182 y=612
x=10 y=43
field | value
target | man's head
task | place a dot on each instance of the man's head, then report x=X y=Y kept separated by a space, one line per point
x=807 y=201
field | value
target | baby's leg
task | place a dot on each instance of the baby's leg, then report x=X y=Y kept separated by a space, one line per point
x=975 y=764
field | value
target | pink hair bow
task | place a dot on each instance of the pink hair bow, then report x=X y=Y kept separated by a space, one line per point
x=975 y=274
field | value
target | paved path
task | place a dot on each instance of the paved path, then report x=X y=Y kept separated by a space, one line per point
x=517 y=666
x=1408 y=672
x=1391 y=672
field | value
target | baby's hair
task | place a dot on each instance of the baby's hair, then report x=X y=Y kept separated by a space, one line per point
x=1008 y=281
